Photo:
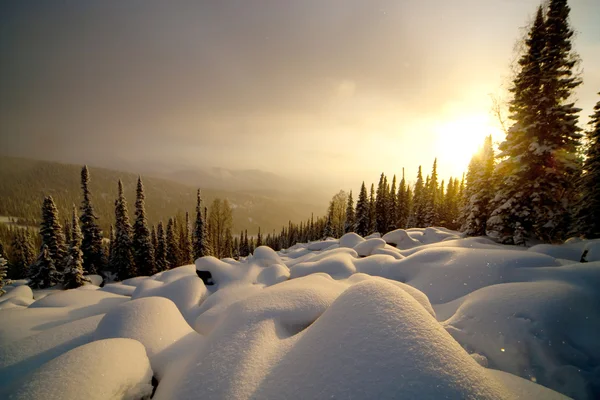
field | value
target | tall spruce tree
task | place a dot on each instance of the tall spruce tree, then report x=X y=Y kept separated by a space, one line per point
x=73 y=275
x=381 y=206
x=228 y=253
x=185 y=241
x=143 y=250
x=160 y=255
x=23 y=254
x=479 y=190
x=416 y=219
x=431 y=216
x=350 y=224
x=52 y=233
x=121 y=257
x=372 y=211
x=43 y=273
x=392 y=207
x=539 y=160
x=558 y=135
x=587 y=221
x=362 y=212
x=154 y=239
x=94 y=260
x=172 y=247
x=200 y=236
x=402 y=206
x=259 y=240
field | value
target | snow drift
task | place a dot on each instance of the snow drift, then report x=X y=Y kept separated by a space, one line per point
x=421 y=313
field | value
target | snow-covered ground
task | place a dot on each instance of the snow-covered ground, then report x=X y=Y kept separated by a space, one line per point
x=421 y=313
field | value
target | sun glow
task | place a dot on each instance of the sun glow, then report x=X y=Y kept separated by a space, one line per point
x=459 y=139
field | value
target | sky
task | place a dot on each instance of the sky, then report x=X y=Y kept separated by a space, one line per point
x=331 y=92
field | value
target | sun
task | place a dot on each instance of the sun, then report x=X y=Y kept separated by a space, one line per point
x=459 y=139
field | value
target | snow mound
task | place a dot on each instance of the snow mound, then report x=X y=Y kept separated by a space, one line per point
x=174 y=274
x=251 y=271
x=338 y=265
x=187 y=293
x=118 y=288
x=401 y=239
x=350 y=240
x=79 y=298
x=22 y=356
x=320 y=246
x=106 y=369
x=536 y=330
x=367 y=247
x=403 y=341
x=154 y=321
x=563 y=251
x=21 y=295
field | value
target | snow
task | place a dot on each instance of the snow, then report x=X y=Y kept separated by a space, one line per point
x=153 y=321
x=419 y=313
x=104 y=369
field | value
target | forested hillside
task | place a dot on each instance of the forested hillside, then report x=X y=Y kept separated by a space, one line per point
x=24 y=183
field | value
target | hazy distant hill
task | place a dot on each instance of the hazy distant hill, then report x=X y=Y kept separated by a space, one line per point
x=24 y=182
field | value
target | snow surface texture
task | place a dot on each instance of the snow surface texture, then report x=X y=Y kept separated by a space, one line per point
x=418 y=313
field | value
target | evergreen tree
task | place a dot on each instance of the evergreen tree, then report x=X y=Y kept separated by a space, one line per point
x=23 y=254
x=558 y=136
x=111 y=243
x=73 y=274
x=479 y=190
x=93 y=253
x=350 y=224
x=246 y=244
x=402 y=206
x=172 y=248
x=153 y=239
x=372 y=211
x=160 y=255
x=431 y=216
x=200 y=236
x=143 y=250
x=43 y=273
x=259 y=241
x=392 y=207
x=416 y=219
x=588 y=210
x=67 y=231
x=52 y=233
x=329 y=225
x=3 y=274
x=185 y=242
x=121 y=261
x=362 y=212
x=229 y=243
x=381 y=206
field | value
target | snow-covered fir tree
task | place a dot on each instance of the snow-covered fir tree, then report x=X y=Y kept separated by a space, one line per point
x=587 y=221
x=229 y=244
x=372 y=211
x=23 y=254
x=52 y=233
x=160 y=255
x=122 y=255
x=402 y=205
x=479 y=190
x=417 y=213
x=172 y=247
x=94 y=259
x=201 y=245
x=350 y=224
x=512 y=217
x=392 y=207
x=143 y=250
x=73 y=274
x=431 y=217
x=362 y=212
x=539 y=161
x=185 y=241
x=154 y=239
x=43 y=273
x=381 y=206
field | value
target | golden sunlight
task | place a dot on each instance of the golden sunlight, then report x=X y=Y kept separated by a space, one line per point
x=457 y=140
